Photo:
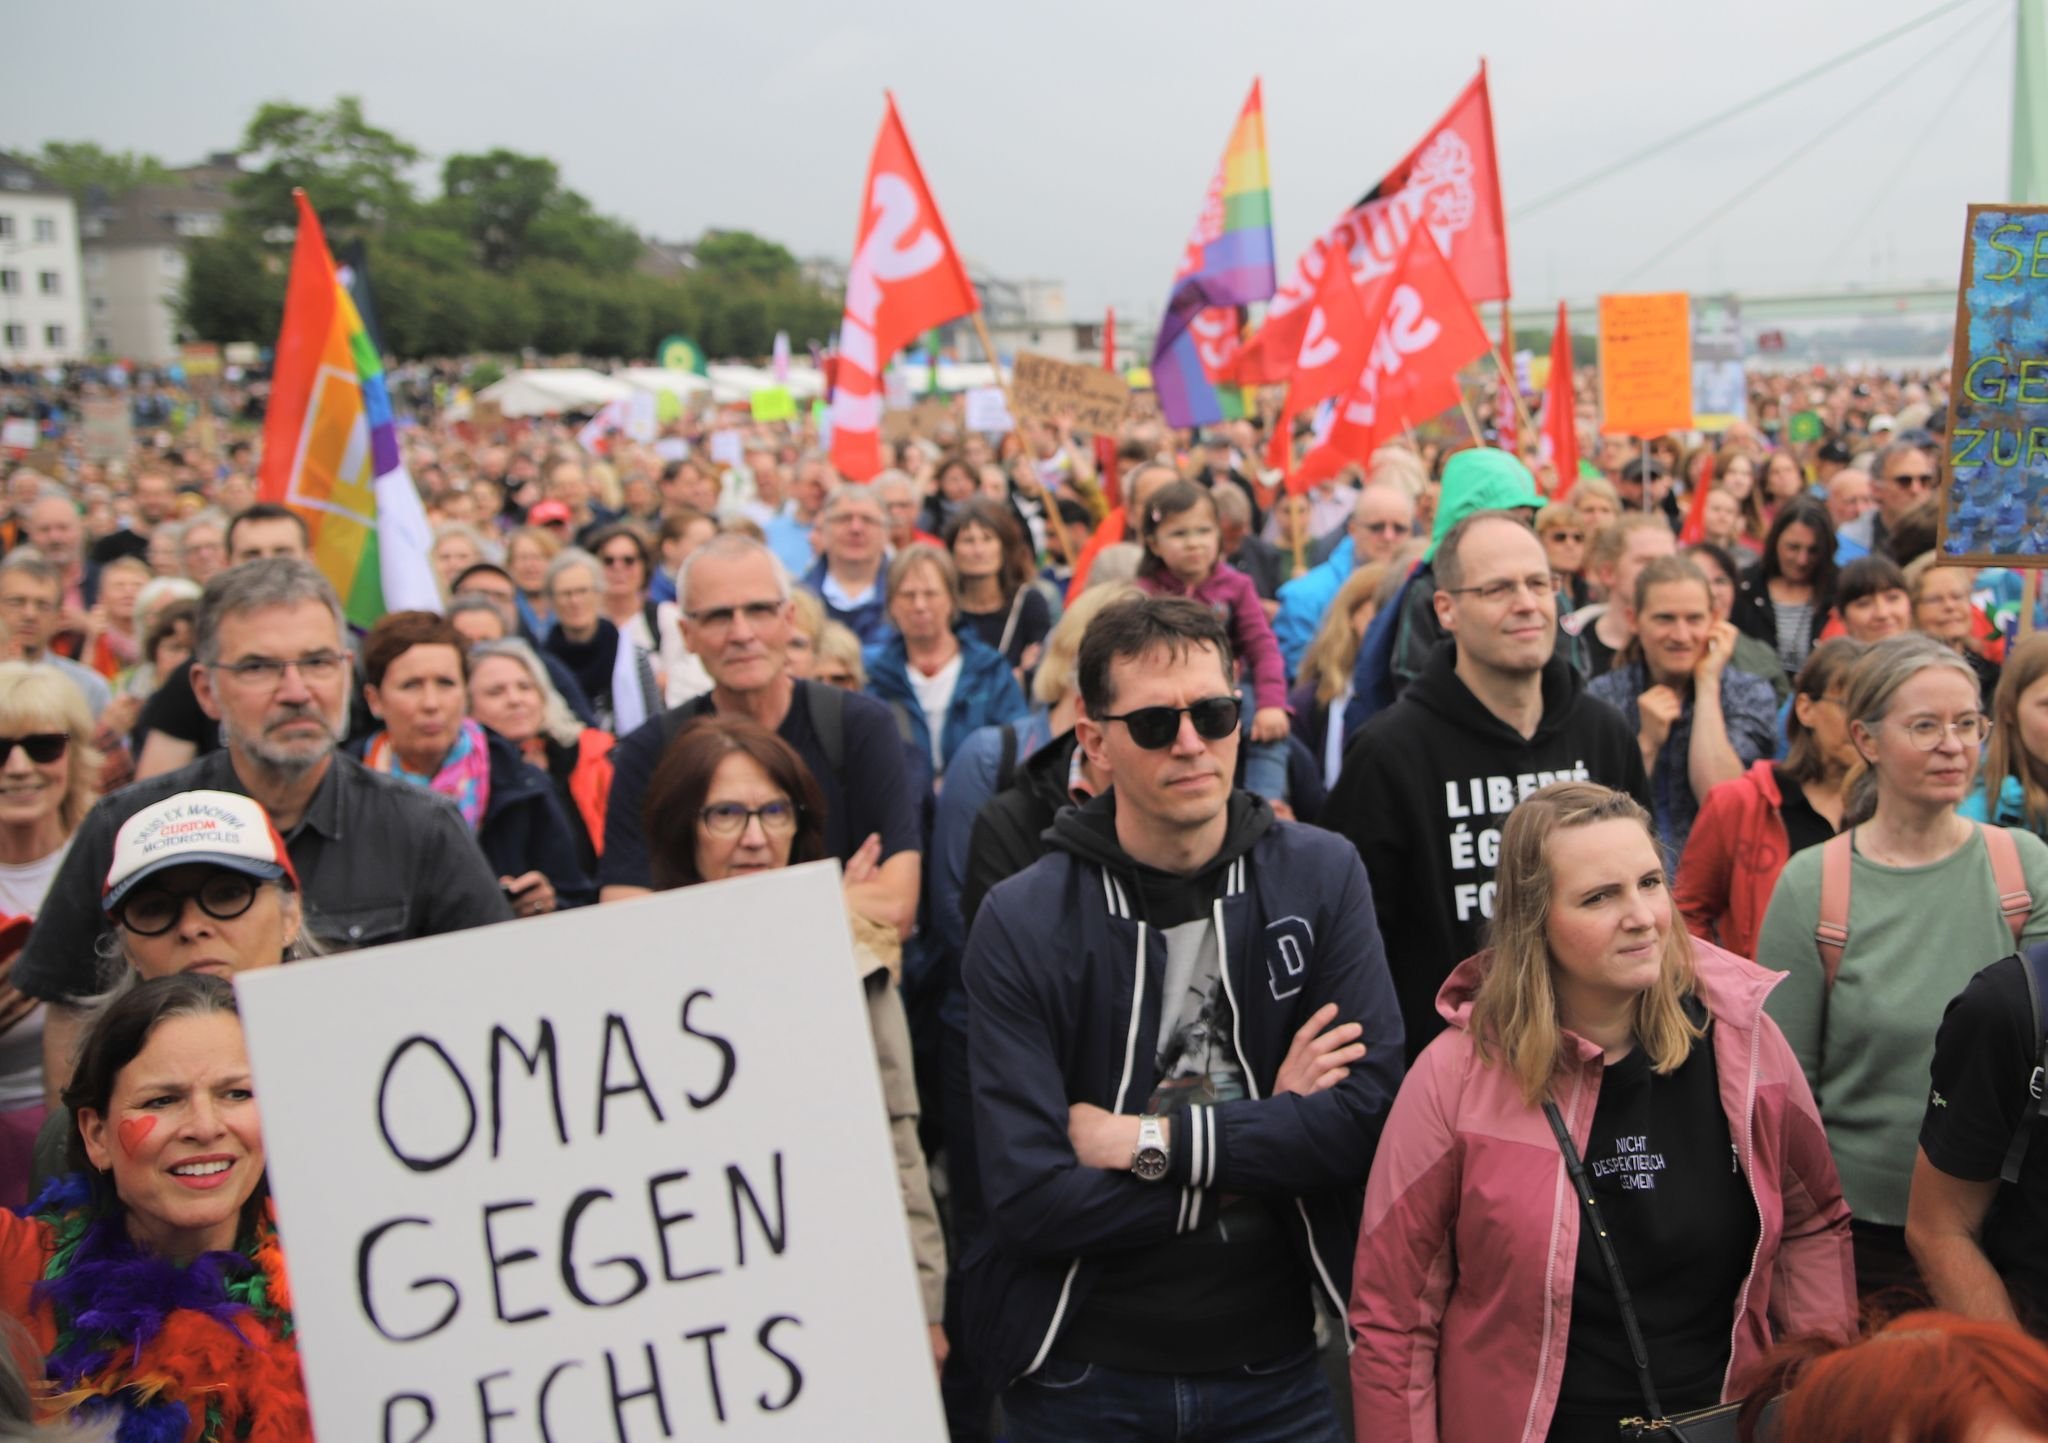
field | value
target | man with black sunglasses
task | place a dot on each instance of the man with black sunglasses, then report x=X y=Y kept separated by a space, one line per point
x=1907 y=472
x=1182 y=1044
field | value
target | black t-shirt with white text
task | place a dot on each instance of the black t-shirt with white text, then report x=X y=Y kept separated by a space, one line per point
x=1984 y=1058
x=1684 y=1224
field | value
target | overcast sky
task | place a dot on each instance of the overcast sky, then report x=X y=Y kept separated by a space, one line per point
x=1072 y=139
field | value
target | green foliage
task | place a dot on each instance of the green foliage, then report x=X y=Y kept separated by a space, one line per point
x=79 y=165
x=234 y=289
x=353 y=172
x=504 y=259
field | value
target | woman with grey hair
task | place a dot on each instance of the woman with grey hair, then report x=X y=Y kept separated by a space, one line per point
x=509 y=692
x=1881 y=926
x=615 y=674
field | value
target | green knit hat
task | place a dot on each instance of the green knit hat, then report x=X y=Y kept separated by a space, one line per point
x=1481 y=479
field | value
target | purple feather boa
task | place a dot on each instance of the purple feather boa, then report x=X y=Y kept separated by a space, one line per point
x=112 y=1297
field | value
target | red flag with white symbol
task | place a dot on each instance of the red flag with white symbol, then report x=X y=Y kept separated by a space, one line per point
x=1334 y=345
x=1448 y=184
x=1424 y=333
x=905 y=279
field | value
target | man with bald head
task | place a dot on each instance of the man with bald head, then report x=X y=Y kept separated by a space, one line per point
x=1382 y=519
x=57 y=531
x=1851 y=495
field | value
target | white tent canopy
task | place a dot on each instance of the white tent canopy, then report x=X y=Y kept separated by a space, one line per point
x=548 y=392
x=683 y=385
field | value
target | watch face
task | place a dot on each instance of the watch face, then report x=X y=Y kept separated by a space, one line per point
x=1150 y=1164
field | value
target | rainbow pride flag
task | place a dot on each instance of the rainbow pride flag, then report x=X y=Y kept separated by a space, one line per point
x=330 y=449
x=1228 y=263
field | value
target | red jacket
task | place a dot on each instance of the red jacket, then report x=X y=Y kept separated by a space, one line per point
x=1462 y=1293
x=1732 y=860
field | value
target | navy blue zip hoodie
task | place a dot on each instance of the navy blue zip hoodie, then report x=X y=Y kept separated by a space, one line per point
x=1064 y=978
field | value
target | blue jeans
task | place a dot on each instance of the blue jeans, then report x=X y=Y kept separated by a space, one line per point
x=1282 y=1401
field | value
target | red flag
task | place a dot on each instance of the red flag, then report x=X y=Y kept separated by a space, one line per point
x=1561 y=409
x=1425 y=331
x=1334 y=347
x=1105 y=446
x=1449 y=183
x=1694 y=527
x=905 y=279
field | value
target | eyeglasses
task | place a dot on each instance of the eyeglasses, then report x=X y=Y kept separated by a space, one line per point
x=29 y=603
x=1383 y=528
x=1925 y=733
x=1574 y=537
x=1917 y=481
x=617 y=560
x=729 y=819
x=1155 y=727
x=1496 y=593
x=257 y=672
x=757 y=613
x=153 y=911
x=44 y=747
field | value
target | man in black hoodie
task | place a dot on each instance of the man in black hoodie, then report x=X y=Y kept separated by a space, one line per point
x=1428 y=783
x=1182 y=1046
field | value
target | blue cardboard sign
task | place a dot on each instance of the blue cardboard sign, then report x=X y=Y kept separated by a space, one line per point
x=1996 y=505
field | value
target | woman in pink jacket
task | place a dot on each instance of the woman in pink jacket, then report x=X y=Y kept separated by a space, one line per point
x=1483 y=1308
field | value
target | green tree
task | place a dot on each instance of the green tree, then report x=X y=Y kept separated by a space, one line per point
x=742 y=255
x=496 y=198
x=354 y=172
x=79 y=165
x=233 y=291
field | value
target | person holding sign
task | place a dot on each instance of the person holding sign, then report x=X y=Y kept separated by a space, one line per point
x=1182 y=1043
x=731 y=798
x=150 y=1278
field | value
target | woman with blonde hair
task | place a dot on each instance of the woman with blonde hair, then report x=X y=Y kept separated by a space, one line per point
x=1881 y=926
x=49 y=779
x=1597 y=502
x=837 y=657
x=2013 y=790
x=1612 y=1142
x=1323 y=687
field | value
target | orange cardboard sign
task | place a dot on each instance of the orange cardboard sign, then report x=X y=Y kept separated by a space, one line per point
x=1645 y=364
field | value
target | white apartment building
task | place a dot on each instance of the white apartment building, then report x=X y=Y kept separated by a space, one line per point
x=42 y=278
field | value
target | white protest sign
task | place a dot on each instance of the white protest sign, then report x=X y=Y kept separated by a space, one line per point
x=615 y=1175
x=19 y=433
x=986 y=410
x=726 y=448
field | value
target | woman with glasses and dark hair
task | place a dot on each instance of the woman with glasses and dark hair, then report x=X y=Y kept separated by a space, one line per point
x=49 y=779
x=1785 y=598
x=1881 y=926
x=150 y=1278
x=731 y=798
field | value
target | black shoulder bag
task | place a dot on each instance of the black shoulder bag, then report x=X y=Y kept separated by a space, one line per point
x=1702 y=1425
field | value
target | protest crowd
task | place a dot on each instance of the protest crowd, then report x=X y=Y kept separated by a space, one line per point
x=1373 y=926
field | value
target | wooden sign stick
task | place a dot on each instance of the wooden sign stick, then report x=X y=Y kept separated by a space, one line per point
x=1053 y=523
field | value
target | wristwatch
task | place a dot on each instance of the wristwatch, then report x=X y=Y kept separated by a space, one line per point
x=1149 y=1160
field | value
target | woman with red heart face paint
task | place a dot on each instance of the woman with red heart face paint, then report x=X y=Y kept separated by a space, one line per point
x=150 y=1277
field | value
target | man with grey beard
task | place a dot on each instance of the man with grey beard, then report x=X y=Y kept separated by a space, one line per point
x=380 y=860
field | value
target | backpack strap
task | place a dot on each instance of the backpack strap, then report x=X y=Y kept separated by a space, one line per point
x=2008 y=876
x=827 y=706
x=1831 y=932
x=2034 y=967
x=1006 y=767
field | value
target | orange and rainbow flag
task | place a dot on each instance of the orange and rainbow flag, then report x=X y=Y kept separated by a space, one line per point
x=330 y=448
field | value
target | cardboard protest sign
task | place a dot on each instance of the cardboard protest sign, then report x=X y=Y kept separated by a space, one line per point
x=1047 y=390
x=106 y=429
x=201 y=363
x=622 y=1173
x=1645 y=364
x=19 y=433
x=1994 y=513
x=986 y=410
